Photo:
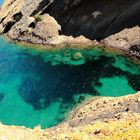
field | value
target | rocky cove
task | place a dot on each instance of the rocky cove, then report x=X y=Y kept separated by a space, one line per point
x=41 y=86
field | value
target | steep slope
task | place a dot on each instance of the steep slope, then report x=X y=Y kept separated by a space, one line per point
x=52 y=21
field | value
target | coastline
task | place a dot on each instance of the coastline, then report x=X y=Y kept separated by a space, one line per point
x=73 y=124
x=77 y=46
x=120 y=125
x=102 y=106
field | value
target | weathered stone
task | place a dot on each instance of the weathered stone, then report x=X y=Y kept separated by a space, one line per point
x=112 y=106
x=124 y=39
x=71 y=22
x=47 y=28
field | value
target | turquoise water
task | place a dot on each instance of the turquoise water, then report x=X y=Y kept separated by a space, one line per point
x=41 y=87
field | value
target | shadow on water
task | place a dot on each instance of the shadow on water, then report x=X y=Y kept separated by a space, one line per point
x=48 y=83
x=1 y=97
x=42 y=88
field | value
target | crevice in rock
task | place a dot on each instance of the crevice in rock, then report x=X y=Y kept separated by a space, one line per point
x=41 y=6
x=2 y=20
x=47 y=9
x=9 y=25
x=135 y=50
x=32 y=25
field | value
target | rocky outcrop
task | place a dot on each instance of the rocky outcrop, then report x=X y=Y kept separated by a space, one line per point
x=10 y=13
x=24 y=21
x=127 y=39
x=124 y=39
x=98 y=109
x=64 y=21
x=124 y=126
x=102 y=118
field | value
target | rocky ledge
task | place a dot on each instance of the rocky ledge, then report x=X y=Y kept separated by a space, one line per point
x=111 y=23
x=103 y=118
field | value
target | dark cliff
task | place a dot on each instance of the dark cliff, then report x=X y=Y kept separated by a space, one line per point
x=58 y=21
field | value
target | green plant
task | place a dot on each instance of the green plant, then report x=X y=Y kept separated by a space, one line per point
x=38 y=17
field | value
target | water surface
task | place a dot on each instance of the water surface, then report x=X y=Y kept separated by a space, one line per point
x=41 y=87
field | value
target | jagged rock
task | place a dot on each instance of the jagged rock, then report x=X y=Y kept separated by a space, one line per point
x=26 y=26
x=8 y=10
x=47 y=28
x=128 y=40
x=79 y=20
x=124 y=39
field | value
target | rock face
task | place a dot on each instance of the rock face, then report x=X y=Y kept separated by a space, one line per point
x=53 y=21
x=25 y=21
x=95 y=19
x=10 y=13
x=124 y=39
x=122 y=122
x=127 y=39
x=101 y=108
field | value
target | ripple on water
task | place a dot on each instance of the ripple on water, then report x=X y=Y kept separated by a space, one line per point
x=40 y=87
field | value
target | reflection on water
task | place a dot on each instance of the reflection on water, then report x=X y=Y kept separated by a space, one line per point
x=39 y=88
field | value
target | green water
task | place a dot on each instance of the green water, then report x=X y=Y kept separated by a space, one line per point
x=41 y=87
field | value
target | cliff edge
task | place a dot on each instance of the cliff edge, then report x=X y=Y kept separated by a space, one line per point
x=113 y=23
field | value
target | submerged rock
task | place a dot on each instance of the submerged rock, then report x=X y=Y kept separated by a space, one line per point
x=77 y=56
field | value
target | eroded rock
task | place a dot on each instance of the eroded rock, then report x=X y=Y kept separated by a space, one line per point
x=70 y=21
x=123 y=124
x=128 y=40
x=124 y=39
x=98 y=109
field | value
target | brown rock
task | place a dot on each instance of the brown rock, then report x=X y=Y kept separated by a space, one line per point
x=47 y=28
x=124 y=39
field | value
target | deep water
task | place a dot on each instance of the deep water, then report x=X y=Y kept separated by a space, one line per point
x=41 y=87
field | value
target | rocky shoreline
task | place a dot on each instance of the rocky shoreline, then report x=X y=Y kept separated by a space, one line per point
x=105 y=107
x=127 y=40
x=102 y=118
x=37 y=23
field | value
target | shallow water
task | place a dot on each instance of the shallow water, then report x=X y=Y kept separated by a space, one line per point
x=40 y=87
